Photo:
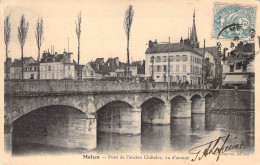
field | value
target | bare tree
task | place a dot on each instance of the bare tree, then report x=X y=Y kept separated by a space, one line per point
x=78 y=31
x=39 y=39
x=22 y=33
x=129 y=14
x=7 y=35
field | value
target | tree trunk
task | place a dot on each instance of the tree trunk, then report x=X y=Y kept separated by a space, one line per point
x=22 y=60
x=78 y=70
x=6 y=65
x=39 y=50
x=78 y=50
x=128 y=62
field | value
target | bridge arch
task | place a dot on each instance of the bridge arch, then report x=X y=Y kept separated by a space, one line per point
x=156 y=99
x=197 y=104
x=155 y=112
x=55 y=125
x=180 y=107
x=208 y=101
x=196 y=95
x=208 y=95
x=19 y=106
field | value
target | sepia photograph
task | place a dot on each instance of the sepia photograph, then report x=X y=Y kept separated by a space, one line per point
x=150 y=81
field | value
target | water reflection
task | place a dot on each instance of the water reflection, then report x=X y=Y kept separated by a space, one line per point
x=180 y=136
x=185 y=133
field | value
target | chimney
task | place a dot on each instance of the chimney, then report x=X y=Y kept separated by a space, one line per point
x=150 y=43
x=117 y=61
x=97 y=66
x=181 y=40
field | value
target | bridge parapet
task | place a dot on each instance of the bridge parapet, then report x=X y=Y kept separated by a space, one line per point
x=66 y=86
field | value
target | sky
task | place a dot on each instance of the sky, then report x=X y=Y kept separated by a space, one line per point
x=102 y=25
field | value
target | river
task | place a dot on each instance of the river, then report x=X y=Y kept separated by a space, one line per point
x=180 y=136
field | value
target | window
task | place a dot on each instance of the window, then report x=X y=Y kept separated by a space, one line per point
x=158 y=59
x=231 y=68
x=238 y=65
x=69 y=67
x=164 y=59
x=184 y=68
x=92 y=73
x=191 y=68
x=244 y=68
x=152 y=59
x=35 y=68
x=184 y=78
x=177 y=68
x=49 y=68
x=184 y=58
x=171 y=58
x=177 y=58
x=164 y=68
x=150 y=69
x=190 y=58
x=158 y=68
x=171 y=68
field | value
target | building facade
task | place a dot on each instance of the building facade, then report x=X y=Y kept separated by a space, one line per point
x=185 y=64
x=16 y=67
x=31 y=71
x=57 y=66
x=175 y=62
x=238 y=66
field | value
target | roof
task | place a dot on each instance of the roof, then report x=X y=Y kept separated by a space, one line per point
x=212 y=50
x=16 y=63
x=242 y=53
x=141 y=69
x=33 y=64
x=50 y=57
x=111 y=64
x=99 y=60
x=174 y=47
x=99 y=68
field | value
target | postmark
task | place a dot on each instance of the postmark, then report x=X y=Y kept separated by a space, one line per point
x=232 y=21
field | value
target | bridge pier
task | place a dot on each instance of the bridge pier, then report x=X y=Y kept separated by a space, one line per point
x=119 y=119
x=157 y=114
x=198 y=105
x=181 y=108
x=8 y=131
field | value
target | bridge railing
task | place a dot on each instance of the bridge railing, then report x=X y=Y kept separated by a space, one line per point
x=63 y=86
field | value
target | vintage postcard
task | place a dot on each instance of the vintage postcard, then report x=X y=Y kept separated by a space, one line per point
x=138 y=82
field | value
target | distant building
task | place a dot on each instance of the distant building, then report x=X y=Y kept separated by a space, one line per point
x=137 y=69
x=113 y=64
x=7 y=65
x=238 y=67
x=31 y=71
x=16 y=67
x=57 y=66
x=88 y=72
x=185 y=61
x=115 y=67
x=95 y=70
x=212 y=67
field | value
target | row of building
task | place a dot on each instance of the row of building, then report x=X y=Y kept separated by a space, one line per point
x=61 y=66
x=183 y=62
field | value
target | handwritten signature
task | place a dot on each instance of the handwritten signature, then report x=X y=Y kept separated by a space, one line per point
x=213 y=147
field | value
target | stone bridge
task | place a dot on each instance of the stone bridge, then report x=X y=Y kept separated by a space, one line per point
x=68 y=113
